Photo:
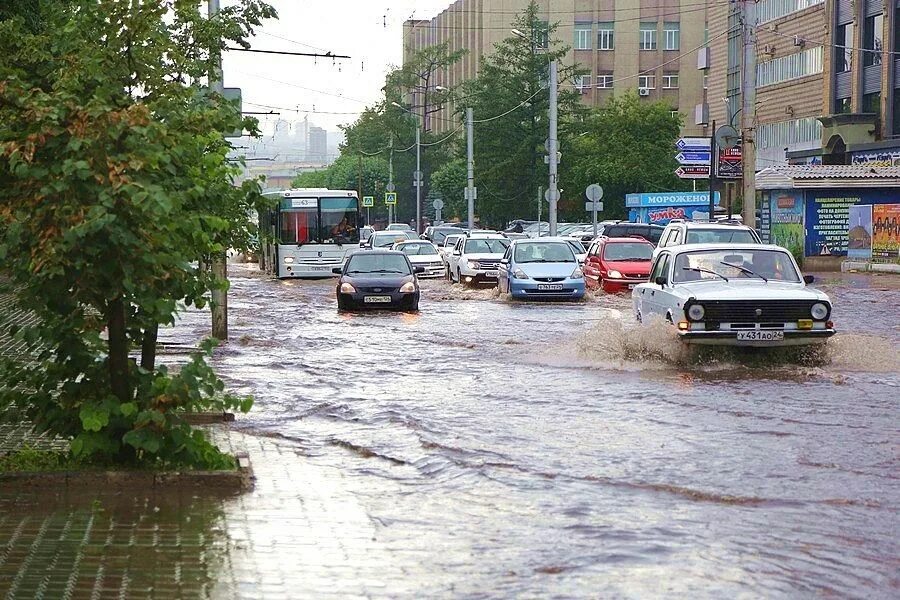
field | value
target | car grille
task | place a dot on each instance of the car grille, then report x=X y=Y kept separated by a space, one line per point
x=549 y=279
x=644 y=276
x=744 y=311
x=488 y=263
x=378 y=290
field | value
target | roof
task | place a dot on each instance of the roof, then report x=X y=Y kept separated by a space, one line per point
x=782 y=177
x=734 y=247
x=709 y=224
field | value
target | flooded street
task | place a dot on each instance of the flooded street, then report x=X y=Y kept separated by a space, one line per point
x=503 y=448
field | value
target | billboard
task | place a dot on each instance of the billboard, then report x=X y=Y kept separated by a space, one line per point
x=886 y=231
x=860 y=235
x=828 y=221
x=786 y=214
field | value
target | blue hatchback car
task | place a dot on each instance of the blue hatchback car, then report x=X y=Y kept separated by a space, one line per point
x=541 y=268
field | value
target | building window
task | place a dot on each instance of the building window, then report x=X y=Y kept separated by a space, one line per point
x=843 y=48
x=647 y=81
x=648 y=36
x=792 y=66
x=605 y=80
x=605 y=39
x=672 y=33
x=582 y=82
x=873 y=40
x=896 y=116
x=769 y=10
x=842 y=106
x=787 y=133
x=582 y=36
x=670 y=81
x=872 y=103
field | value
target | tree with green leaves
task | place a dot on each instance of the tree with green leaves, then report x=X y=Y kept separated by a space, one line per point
x=449 y=184
x=627 y=146
x=510 y=100
x=114 y=186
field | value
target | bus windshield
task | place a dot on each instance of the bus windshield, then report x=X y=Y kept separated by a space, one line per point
x=339 y=217
x=333 y=221
x=298 y=225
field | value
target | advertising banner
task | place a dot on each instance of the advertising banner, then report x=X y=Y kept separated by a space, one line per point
x=885 y=228
x=787 y=221
x=828 y=221
x=860 y=234
x=764 y=226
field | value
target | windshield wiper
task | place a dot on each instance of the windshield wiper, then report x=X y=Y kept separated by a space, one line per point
x=384 y=271
x=743 y=269
x=699 y=270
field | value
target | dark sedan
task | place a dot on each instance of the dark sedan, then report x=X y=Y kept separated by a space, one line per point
x=378 y=279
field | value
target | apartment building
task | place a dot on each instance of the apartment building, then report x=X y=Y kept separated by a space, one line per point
x=827 y=74
x=650 y=46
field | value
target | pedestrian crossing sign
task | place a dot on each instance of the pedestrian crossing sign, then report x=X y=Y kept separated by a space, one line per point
x=368 y=201
x=390 y=198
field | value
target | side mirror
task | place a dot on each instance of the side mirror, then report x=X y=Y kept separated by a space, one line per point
x=809 y=278
x=418 y=270
x=337 y=270
x=457 y=253
x=661 y=280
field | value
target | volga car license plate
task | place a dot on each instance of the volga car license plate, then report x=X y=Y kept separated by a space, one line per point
x=376 y=299
x=760 y=336
x=549 y=287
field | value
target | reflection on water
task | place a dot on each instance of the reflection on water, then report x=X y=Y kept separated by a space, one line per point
x=560 y=448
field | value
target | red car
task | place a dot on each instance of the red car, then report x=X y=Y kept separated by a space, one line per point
x=618 y=264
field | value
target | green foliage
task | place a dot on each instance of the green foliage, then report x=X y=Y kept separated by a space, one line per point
x=509 y=151
x=114 y=185
x=31 y=460
x=627 y=147
x=449 y=183
x=310 y=179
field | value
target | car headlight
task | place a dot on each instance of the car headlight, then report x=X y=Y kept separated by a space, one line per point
x=408 y=288
x=346 y=288
x=520 y=274
x=288 y=260
x=819 y=311
x=613 y=274
x=695 y=312
x=474 y=265
x=577 y=274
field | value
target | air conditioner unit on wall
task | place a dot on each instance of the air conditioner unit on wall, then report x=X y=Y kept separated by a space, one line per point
x=643 y=91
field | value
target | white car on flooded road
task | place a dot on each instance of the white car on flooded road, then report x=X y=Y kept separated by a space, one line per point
x=422 y=253
x=734 y=295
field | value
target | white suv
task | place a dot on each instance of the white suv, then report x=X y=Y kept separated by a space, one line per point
x=679 y=232
x=476 y=259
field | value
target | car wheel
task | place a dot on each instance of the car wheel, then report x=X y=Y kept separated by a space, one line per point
x=637 y=315
x=447 y=274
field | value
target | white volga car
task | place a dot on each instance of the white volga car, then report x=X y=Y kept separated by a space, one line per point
x=734 y=295
x=423 y=254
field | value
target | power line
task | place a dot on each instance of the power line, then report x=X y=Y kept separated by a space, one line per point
x=286 y=53
x=302 y=110
x=826 y=44
x=292 y=41
x=287 y=83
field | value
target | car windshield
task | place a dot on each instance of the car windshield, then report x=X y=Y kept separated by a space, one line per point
x=627 y=251
x=417 y=249
x=439 y=235
x=496 y=246
x=377 y=262
x=386 y=239
x=451 y=240
x=719 y=265
x=543 y=252
x=577 y=248
x=398 y=227
x=720 y=236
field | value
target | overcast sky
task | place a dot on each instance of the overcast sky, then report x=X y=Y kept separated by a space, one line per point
x=367 y=30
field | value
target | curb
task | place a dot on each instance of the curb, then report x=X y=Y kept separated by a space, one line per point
x=868 y=267
x=238 y=480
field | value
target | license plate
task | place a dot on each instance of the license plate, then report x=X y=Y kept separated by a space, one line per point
x=548 y=287
x=319 y=269
x=760 y=336
x=376 y=299
x=492 y=273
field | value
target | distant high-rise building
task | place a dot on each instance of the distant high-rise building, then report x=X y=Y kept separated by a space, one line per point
x=317 y=145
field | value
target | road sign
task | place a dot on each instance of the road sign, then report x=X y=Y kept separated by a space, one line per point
x=693 y=171
x=692 y=144
x=727 y=137
x=730 y=164
x=368 y=201
x=593 y=192
x=589 y=206
x=693 y=158
x=551 y=197
x=390 y=198
x=438 y=204
x=391 y=187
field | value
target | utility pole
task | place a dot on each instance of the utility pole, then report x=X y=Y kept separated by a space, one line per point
x=359 y=190
x=470 y=167
x=552 y=147
x=417 y=178
x=219 y=297
x=540 y=199
x=713 y=165
x=748 y=110
x=390 y=186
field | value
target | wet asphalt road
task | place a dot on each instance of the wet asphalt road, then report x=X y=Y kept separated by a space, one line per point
x=561 y=450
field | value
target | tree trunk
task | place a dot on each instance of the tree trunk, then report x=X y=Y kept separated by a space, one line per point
x=118 y=351
x=148 y=347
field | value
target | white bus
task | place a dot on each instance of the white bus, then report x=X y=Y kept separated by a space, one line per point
x=308 y=232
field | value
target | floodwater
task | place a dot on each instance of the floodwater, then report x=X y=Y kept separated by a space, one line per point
x=562 y=450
